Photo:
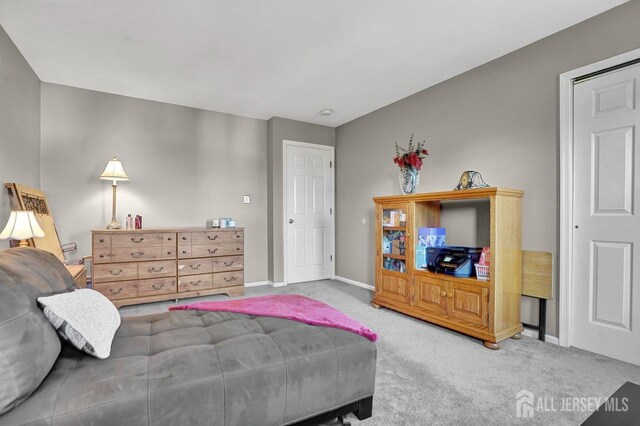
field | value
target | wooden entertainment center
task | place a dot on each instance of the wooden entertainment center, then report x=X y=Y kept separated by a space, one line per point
x=485 y=309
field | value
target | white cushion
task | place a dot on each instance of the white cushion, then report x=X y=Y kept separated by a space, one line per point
x=86 y=318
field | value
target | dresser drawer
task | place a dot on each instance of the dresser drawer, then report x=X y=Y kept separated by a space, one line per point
x=194 y=266
x=217 y=249
x=118 y=290
x=195 y=282
x=228 y=279
x=184 y=252
x=169 y=252
x=102 y=255
x=217 y=236
x=184 y=238
x=126 y=254
x=169 y=239
x=115 y=272
x=230 y=263
x=156 y=286
x=136 y=240
x=101 y=241
x=164 y=268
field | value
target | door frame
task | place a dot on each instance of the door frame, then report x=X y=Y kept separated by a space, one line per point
x=566 y=186
x=285 y=254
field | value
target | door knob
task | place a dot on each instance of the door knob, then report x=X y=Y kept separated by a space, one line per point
x=290 y=220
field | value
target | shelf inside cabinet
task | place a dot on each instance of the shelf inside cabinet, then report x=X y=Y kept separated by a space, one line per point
x=395 y=256
x=394 y=228
x=447 y=277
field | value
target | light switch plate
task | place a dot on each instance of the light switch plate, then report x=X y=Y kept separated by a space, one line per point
x=246 y=199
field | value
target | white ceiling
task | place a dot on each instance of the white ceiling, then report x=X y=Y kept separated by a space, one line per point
x=286 y=58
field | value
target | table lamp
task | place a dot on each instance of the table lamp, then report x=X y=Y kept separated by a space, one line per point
x=22 y=225
x=114 y=172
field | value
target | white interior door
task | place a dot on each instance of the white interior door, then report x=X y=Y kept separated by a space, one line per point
x=309 y=209
x=606 y=284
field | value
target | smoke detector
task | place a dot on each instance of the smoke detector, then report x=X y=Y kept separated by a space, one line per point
x=326 y=111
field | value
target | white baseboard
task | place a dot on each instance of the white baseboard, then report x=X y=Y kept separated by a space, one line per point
x=256 y=284
x=534 y=333
x=356 y=283
x=278 y=284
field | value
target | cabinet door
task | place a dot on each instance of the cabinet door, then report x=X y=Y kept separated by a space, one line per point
x=468 y=302
x=431 y=294
x=394 y=287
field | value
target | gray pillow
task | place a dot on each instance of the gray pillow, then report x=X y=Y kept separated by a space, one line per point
x=29 y=345
x=86 y=318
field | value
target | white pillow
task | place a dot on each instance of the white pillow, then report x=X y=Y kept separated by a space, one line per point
x=84 y=317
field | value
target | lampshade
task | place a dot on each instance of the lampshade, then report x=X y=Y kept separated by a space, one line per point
x=114 y=171
x=22 y=225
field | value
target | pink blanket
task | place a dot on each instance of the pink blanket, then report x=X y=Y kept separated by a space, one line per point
x=288 y=306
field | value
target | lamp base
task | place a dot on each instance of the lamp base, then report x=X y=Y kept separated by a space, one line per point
x=114 y=225
x=23 y=243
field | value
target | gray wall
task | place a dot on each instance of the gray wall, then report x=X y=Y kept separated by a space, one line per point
x=500 y=119
x=280 y=129
x=186 y=166
x=19 y=123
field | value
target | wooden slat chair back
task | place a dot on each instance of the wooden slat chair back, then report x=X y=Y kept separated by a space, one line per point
x=23 y=197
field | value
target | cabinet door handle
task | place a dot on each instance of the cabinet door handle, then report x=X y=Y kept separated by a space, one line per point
x=228 y=263
x=116 y=291
x=137 y=254
x=443 y=293
x=157 y=286
x=160 y=269
x=229 y=279
x=212 y=251
x=195 y=284
x=215 y=237
x=195 y=267
x=112 y=272
x=133 y=239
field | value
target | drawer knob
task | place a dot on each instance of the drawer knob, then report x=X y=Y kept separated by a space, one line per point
x=169 y=252
x=112 y=272
x=237 y=235
x=228 y=263
x=229 y=279
x=102 y=256
x=449 y=295
x=170 y=239
x=184 y=238
x=114 y=292
x=133 y=239
x=443 y=293
x=195 y=284
x=215 y=237
x=237 y=248
x=212 y=251
x=157 y=286
x=137 y=254
x=195 y=267
x=102 y=240
x=160 y=269
x=184 y=252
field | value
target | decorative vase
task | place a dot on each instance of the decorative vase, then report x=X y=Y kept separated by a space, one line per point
x=409 y=180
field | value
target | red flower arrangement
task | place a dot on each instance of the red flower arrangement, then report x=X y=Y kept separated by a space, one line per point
x=412 y=156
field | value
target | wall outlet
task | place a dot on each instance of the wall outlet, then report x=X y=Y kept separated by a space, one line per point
x=246 y=199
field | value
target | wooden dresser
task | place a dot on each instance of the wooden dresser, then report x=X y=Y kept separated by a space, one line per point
x=150 y=265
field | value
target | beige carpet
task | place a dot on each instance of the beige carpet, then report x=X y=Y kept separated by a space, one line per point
x=429 y=375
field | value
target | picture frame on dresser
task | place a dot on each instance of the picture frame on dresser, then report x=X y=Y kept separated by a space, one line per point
x=137 y=266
